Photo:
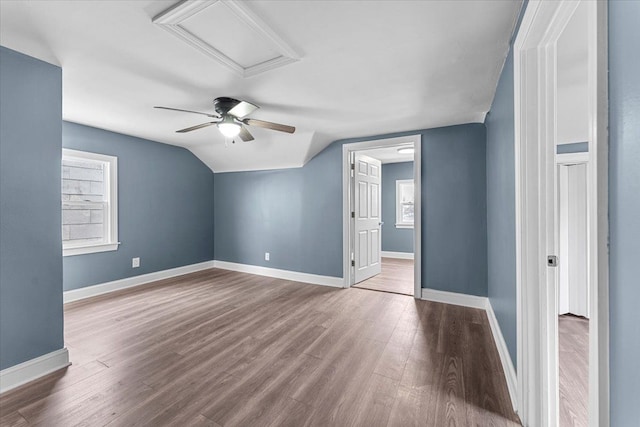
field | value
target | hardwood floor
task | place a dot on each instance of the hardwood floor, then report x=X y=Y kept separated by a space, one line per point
x=396 y=276
x=573 y=340
x=219 y=348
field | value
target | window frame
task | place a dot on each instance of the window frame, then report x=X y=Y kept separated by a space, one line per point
x=399 y=222
x=111 y=219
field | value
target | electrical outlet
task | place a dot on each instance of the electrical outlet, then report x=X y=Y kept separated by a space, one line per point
x=135 y=262
x=266 y=256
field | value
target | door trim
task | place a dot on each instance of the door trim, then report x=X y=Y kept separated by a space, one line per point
x=347 y=229
x=572 y=158
x=534 y=99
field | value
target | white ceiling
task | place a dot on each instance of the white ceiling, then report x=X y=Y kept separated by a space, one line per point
x=573 y=55
x=365 y=68
x=389 y=154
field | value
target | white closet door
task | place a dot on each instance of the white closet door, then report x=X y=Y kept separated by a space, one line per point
x=573 y=292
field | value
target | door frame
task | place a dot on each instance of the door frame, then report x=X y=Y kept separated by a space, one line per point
x=347 y=201
x=535 y=170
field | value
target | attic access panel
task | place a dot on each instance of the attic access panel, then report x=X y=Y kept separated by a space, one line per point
x=229 y=32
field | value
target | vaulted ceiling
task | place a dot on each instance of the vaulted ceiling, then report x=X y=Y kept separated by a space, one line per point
x=332 y=69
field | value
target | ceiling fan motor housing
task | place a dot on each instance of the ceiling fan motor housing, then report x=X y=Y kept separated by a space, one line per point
x=223 y=104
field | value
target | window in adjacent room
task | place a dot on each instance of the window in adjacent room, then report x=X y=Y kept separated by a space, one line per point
x=89 y=202
x=404 y=203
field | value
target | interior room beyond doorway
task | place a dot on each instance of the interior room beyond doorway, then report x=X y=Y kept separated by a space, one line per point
x=396 y=277
x=393 y=233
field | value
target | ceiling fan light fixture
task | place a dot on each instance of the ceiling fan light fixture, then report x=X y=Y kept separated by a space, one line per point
x=230 y=118
x=406 y=150
x=228 y=127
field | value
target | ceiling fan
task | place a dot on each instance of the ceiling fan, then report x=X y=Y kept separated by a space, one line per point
x=230 y=117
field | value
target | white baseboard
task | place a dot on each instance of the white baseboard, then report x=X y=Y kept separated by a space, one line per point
x=485 y=304
x=25 y=372
x=398 y=255
x=129 y=282
x=503 y=351
x=336 y=282
x=454 y=298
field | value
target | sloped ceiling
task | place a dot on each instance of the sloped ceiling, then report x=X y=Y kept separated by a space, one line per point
x=364 y=68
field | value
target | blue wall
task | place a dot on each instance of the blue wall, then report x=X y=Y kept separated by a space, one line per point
x=501 y=202
x=31 y=322
x=165 y=203
x=394 y=239
x=454 y=206
x=574 y=147
x=296 y=214
x=624 y=210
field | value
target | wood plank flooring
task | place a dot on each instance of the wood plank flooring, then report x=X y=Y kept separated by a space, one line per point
x=220 y=348
x=396 y=276
x=573 y=340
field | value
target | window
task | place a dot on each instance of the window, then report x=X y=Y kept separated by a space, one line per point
x=89 y=202
x=404 y=203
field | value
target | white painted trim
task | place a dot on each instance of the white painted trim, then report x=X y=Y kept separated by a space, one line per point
x=31 y=370
x=90 y=249
x=398 y=255
x=572 y=158
x=347 y=150
x=295 y=276
x=417 y=233
x=111 y=183
x=598 y=84
x=536 y=233
x=454 y=298
x=130 y=282
x=503 y=352
x=535 y=149
x=171 y=19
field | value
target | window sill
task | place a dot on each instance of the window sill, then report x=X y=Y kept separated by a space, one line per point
x=404 y=225
x=81 y=250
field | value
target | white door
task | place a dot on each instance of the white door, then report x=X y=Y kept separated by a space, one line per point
x=573 y=293
x=367 y=212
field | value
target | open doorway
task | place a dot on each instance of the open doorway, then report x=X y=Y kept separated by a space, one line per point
x=381 y=191
x=561 y=214
x=572 y=209
x=392 y=271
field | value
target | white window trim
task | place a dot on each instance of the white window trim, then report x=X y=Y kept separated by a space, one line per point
x=111 y=181
x=399 y=183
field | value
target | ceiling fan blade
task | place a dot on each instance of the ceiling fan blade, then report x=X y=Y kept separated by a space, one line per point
x=245 y=135
x=188 y=111
x=196 y=127
x=269 y=125
x=243 y=108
